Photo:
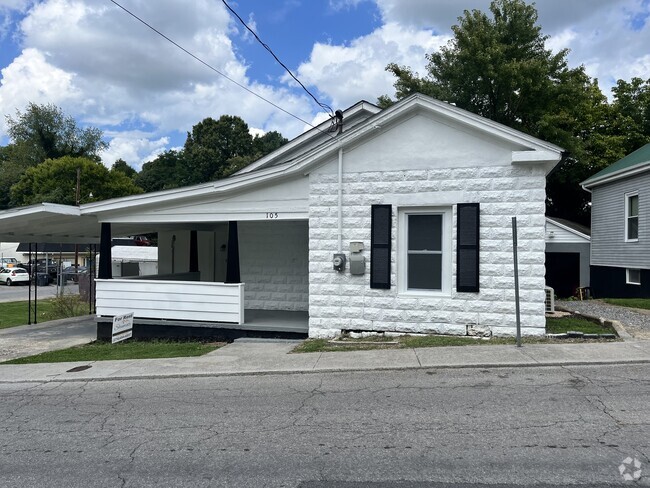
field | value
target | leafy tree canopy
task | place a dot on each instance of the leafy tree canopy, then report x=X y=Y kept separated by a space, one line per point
x=498 y=66
x=55 y=181
x=168 y=170
x=44 y=132
x=123 y=167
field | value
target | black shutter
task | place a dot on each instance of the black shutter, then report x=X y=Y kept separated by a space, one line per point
x=467 y=247
x=381 y=216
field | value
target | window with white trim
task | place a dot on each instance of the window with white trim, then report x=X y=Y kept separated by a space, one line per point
x=424 y=264
x=631 y=216
x=633 y=276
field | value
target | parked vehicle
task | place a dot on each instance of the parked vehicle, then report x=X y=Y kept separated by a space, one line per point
x=48 y=266
x=141 y=241
x=9 y=263
x=12 y=276
x=73 y=272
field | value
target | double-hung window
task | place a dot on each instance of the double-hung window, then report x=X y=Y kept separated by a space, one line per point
x=632 y=217
x=425 y=244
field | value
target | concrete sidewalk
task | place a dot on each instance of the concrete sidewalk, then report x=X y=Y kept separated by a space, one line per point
x=258 y=356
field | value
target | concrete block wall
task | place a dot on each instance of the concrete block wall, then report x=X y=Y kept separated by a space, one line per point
x=273 y=264
x=341 y=301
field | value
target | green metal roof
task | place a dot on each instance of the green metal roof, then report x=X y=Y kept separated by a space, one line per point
x=636 y=158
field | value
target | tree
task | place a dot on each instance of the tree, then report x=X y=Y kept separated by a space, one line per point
x=632 y=103
x=498 y=66
x=212 y=144
x=55 y=181
x=44 y=132
x=168 y=170
x=123 y=167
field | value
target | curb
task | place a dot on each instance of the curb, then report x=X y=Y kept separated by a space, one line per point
x=615 y=324
x=336 y=370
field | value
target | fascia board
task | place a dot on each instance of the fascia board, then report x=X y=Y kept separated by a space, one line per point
x=322 y=128
x=569 y=229
x=617 y=175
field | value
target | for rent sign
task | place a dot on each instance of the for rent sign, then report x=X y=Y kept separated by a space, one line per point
x=122 y=327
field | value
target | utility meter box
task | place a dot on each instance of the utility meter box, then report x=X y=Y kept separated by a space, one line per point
x=338 y=262
x=356 y=246
x=357 y=264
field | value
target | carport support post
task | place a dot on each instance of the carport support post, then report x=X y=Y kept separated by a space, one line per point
x=194 y=252
x=105 y=271
x=29 y=289
x=232 y=262
x=35 y=267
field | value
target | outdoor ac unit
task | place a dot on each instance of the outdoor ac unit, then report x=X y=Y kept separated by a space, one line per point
x=549 y=300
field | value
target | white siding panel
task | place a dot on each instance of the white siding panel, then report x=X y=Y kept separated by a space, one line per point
x=172 y=300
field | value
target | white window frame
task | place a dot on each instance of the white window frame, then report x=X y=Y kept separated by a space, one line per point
x=402 y=251
x=628 y=216
x=628 y=280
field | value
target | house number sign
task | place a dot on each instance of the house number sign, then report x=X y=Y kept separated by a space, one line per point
x=271 y=215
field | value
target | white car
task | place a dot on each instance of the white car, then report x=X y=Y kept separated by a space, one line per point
x=10 y=276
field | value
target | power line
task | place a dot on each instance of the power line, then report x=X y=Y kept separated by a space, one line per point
x=266 y=46
x=215 y=69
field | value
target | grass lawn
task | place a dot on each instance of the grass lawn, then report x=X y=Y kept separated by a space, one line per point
x=629 y=302
x=553 y=326
x=15 y=313
x=103 y=351
x=563 y=324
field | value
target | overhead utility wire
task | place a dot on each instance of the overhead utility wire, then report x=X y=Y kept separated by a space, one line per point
x=266 y=46
x=215 y=69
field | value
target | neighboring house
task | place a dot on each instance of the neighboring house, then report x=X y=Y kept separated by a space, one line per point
x=417 y=198
x=567 y=256
x=620 y=227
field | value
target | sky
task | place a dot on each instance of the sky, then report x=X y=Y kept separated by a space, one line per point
x=107 y=70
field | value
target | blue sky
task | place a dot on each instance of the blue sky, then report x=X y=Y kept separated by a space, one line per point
x=107 y=70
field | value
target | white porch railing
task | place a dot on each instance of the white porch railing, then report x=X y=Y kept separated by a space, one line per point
x=171 y=300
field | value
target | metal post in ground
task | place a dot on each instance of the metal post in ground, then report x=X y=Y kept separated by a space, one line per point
x=514 y=252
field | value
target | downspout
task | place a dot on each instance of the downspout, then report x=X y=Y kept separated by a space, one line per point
x=340 y=202
x=339 y=124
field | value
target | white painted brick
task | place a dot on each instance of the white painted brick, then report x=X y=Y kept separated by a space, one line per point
x=362 y=308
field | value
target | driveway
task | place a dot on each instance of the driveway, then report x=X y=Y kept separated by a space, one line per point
x=27 y=340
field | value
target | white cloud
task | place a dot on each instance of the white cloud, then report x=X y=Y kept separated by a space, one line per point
x=349 y=73
x=105 y=68
x=133 y=147
x=31 y=78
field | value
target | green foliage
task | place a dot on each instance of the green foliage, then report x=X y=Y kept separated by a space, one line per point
x=44 y=132
x=105 y=351
x=123 y=167
x=629 y=302
x=55 y=181
x=65 y=306
x=564 y=324
x=168 y=170
x=218 y=148
x=16 y=313
x=497 y=66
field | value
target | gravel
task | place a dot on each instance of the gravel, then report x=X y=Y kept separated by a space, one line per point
x=637 y=323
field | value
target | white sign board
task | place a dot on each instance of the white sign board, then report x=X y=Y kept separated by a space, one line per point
x=122 y=327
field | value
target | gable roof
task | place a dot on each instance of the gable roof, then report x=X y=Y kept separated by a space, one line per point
x=303 y=155
x=572 y=227
x=635 y=162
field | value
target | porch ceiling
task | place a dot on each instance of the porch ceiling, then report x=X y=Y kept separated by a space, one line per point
x=51 y=223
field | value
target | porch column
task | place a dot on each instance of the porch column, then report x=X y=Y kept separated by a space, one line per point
x=194 y=252
x=232 y=262
x=105 y=269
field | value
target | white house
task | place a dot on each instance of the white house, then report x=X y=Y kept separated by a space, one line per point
x=417 y=198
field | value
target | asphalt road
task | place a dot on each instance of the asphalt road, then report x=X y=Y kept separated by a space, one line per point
x=17 y=293
x=409 y=429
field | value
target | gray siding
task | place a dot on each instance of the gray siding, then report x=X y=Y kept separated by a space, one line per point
x=608 y=246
